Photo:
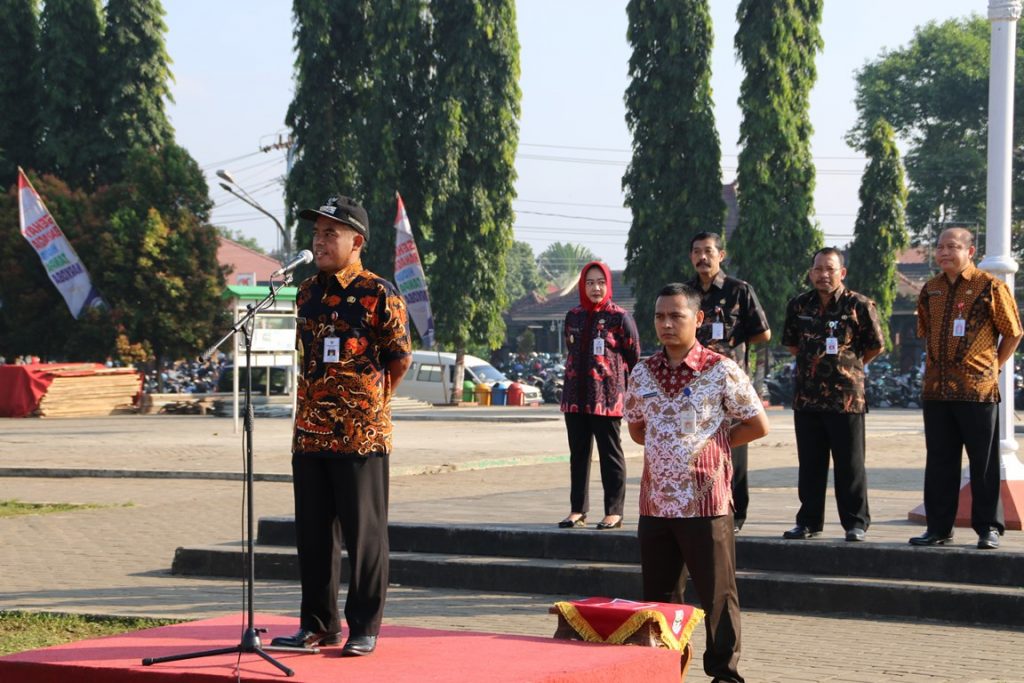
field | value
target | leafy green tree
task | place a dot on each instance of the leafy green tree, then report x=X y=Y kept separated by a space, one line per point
x=673 y=183
x=561 y=263
x=777 y=41
x=73 y=140
x=934 y=93
x=880 y=233
x=20 y=89
x=521 y=274
x=136 y=78
x=472 y=142
x=164 y=278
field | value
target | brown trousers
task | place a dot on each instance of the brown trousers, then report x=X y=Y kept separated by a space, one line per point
x=706 y=548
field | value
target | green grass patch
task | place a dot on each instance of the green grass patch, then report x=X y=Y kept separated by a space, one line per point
x=15 y=507
x=20 y=631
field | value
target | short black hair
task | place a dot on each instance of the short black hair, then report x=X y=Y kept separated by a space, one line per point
x=700 y=236
x=691 y=295
x=826 y=251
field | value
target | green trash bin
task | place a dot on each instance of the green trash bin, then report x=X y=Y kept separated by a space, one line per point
x=467 y=391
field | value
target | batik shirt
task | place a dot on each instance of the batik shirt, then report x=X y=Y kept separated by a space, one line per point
x=964 y=368
x=733 y=303
x=595 y=384
x=831 y=383
x=344 y=401
x=688 y=475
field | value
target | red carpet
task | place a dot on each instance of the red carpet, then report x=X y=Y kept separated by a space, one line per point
x=403 y=654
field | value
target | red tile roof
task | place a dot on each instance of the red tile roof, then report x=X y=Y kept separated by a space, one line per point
x=242 y=263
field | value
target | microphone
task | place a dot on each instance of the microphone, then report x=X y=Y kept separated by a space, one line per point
x=304 y=256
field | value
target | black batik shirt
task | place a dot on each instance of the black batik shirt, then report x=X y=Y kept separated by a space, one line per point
x=832 y=383
x=733 y=303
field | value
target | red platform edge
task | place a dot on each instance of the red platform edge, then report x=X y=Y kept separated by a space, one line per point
x=1012 y=493
x=403 y=654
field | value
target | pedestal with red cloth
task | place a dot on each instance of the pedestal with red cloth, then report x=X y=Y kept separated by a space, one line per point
x=627 y=622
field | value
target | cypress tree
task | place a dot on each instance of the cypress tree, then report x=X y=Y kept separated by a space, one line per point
x=324 y=114
x=395 y=111
x=472 y=144
x=673 y=183
x=73 y=140
x=880 y=232
x=137 y=77
x=777 y=41
x=19 y=87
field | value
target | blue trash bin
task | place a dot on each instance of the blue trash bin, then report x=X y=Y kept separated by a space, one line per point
x=498 y=393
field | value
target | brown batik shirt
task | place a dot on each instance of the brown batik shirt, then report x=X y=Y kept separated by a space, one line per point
x=733 y=303
x=963 y=368
x=344 y=400
x=826 y=382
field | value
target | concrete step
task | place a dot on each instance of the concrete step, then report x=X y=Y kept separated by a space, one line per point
x=821 y=557
x=569 y=579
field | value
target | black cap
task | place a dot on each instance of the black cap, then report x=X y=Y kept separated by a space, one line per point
x=344 y=210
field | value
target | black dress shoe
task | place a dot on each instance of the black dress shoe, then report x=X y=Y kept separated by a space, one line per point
x=988 y=540
x=603 y=525
x=800 y=532
x=855 y=535
x=358 y=646
x=304 y=638
x=929 y=538
x=569 y=523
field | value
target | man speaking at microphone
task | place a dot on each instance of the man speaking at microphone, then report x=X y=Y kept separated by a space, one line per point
x=352 y=335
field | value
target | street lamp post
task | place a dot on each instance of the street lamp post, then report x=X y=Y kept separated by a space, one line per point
x=232 y=187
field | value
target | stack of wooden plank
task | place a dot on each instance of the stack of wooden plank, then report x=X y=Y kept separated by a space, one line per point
x=87 y=389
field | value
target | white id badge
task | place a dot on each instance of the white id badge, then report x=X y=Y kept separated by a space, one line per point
x=959 y=327
x=688 y=420
x=599 y=347
x=717 y=330
x=332 y=349
x=831 y=346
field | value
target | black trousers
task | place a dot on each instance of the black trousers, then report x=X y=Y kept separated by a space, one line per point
x=583 y=431
x=342 y=498
x=949 y=428
x=740 y=492
x=842 y=436
x=706 y=547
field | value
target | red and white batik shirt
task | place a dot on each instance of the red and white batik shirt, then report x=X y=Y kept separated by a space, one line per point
x=688 y=475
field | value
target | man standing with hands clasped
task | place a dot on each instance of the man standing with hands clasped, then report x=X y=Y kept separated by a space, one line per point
x=833 y=332
x=962 y=313
x=352 y=332
x=689 y=406
x=733 y=321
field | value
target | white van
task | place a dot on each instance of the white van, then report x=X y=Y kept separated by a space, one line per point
x=423 y=381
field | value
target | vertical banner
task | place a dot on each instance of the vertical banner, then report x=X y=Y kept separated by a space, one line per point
x=410 y=278
x=66 y=271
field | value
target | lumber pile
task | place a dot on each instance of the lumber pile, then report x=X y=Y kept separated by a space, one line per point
x=84 y=390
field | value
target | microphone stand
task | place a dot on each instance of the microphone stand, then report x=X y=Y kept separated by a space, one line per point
x=250 y=643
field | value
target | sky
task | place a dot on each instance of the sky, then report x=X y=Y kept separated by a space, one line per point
x=233 y=64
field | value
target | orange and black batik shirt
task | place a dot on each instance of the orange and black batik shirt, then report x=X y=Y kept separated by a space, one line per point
x=963 y=368
x=344 y=400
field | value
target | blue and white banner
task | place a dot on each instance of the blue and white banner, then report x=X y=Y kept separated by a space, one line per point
x=66 y=271
x=409 y=277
